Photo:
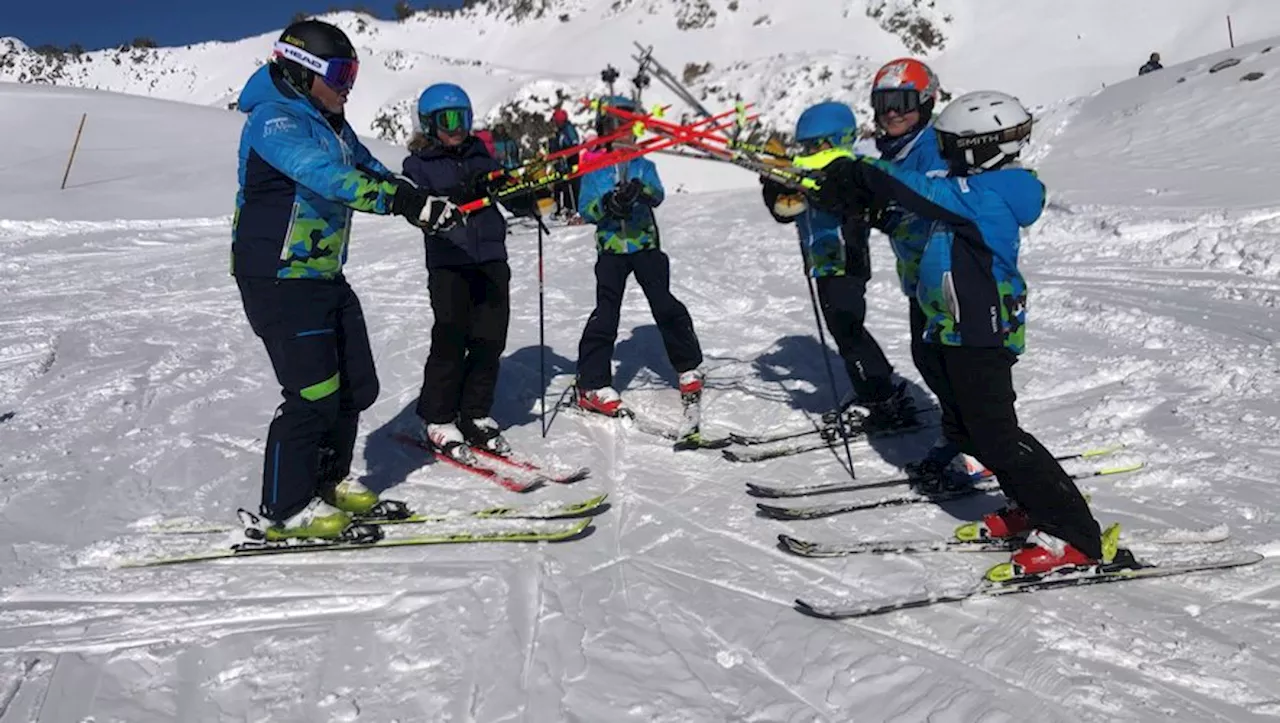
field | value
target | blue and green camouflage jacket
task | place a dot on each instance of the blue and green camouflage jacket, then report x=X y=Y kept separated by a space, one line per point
x=300 y=180
x=637 y=232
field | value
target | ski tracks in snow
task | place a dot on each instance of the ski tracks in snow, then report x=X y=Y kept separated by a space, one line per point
x=138 y=389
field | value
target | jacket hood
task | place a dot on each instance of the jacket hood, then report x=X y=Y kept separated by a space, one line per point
x=265 y=87
x=1021 y=191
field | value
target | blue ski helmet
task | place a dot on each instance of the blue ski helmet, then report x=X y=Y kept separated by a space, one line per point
x=444 y=106
x=607 y=123
x=827 y=121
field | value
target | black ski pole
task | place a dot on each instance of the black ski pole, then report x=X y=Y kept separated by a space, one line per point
x=542 y=332
x=831 y=375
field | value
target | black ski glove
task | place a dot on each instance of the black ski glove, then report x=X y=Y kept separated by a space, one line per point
x=841 y=190
x=619 y=202
x=483 y=184
x=408 y=201
x=642 y=194
x=784 y=203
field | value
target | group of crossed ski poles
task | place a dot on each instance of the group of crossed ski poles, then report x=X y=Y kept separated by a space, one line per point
x=713 y=137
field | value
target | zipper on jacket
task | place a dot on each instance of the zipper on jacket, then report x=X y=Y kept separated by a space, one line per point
x=288 y=233
x=950 y=297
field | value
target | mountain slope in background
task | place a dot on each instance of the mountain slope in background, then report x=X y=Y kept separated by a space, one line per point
x=781 y=54
x=132 y=388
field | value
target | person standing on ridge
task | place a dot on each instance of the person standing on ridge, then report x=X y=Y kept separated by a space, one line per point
x=974 y=299
x=836 y=254
x=620 y=200
x=467 y=276
x=302 y=172
x=1152 y=65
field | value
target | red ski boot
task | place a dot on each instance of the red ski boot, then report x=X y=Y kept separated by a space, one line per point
x=1045 y=554
x=1004 y=523
x=604 y=400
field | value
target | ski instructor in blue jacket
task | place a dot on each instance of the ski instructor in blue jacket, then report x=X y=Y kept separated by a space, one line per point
x=303 y=172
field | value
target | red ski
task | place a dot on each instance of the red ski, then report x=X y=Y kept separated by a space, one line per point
x=508 y=481
x=576 y=475
x=528 y=477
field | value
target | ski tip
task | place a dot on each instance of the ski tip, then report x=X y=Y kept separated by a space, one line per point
x=731 y=455
x=591 y=507
x=773 y=511
x=1102 y=451
x=522 y=487
x=1122 y=469
x=811 y=610
x=575 y=476
x=757 y=491
x=579 y=529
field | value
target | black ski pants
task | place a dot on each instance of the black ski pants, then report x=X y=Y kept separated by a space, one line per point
x=974 y=385
x=653 y=272
x=844 y=307
x=567 y=194
x=472 y=308
x=315 y=335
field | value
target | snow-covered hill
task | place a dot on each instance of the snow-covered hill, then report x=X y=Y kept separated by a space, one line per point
x=131 y=387
x=780 y=54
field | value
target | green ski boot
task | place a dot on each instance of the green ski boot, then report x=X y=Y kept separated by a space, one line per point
x=352 y=497
x=316 y=521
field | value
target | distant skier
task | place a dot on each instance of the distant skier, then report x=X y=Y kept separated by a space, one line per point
x=840 y=262
x=508 y=150
x=620 y=200
x=569 y=192
x=1152 y=64
x=974 y=298
x=468 y=278
x=302 y=172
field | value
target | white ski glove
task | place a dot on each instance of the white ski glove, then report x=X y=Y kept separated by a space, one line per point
x=439 y=214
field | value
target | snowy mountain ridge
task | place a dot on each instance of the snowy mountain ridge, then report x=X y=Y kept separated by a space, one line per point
x=522 y=57
x=132 y=390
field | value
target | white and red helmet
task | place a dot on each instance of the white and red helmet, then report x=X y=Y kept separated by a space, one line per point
x=902 y=86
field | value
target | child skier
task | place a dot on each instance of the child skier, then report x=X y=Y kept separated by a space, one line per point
x=620 y=200
x=973 y=298
x=468 y=279
x=302 y=171
x=903 y=94
x=840 y=261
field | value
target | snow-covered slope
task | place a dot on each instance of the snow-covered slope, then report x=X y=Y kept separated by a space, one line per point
x=131 y=387
x=1197 y=134
x=780 y=54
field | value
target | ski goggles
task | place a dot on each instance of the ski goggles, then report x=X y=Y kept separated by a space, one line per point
x=952 y=145
x=449 y=120
x=895 y=100
x=338 y=73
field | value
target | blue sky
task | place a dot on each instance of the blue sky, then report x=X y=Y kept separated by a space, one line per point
x=105 y=23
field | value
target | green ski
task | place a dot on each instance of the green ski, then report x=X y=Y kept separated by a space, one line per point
x=364 y=537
